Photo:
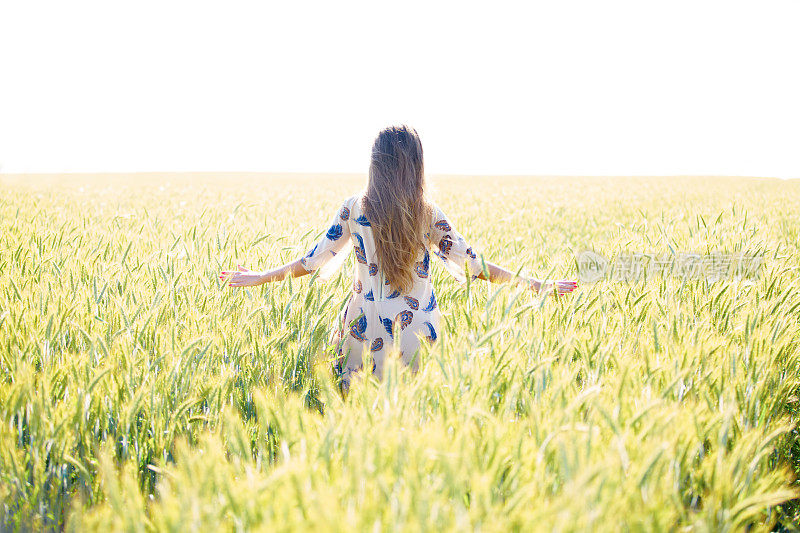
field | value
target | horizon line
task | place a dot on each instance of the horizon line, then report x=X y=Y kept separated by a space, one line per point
x=341 y=173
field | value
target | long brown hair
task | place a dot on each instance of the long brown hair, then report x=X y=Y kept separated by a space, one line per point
x=395 y=203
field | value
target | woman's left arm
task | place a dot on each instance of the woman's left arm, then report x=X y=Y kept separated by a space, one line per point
x=331 y=243
x=250 y=278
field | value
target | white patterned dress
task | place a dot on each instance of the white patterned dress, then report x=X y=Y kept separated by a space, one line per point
x=375 y=313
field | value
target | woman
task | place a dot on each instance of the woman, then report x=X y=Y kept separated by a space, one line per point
x=392 y=228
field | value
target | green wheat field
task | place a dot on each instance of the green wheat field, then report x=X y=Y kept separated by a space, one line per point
x=137 y=393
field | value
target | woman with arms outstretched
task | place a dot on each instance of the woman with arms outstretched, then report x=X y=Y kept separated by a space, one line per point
x=392 y=228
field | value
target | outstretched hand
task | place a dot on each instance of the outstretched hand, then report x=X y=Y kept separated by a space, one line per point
x=242 y=277
x=557 y=287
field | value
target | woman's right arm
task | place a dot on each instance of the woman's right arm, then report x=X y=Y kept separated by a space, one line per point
x=498 y=274
x=456 y=254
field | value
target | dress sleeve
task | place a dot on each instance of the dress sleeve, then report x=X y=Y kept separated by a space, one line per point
x=328 y=254
x=450 y=246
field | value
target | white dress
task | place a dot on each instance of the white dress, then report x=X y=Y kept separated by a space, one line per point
x=376 y=314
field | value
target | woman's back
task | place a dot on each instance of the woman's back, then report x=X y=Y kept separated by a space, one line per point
x=376 y=312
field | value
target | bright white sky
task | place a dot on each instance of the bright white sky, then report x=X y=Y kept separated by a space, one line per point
x=557 y=87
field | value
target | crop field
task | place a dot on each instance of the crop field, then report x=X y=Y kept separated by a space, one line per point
x=138 y=393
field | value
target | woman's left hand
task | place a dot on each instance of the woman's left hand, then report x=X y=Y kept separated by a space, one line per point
x=242 y=277
x=558 y=287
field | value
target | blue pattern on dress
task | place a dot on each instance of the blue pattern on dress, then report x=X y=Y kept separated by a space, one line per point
x=431 y=304
x=377 y=344
x=334 y=232
x=373 y=269
x=405 y=318
x=445 y=244
x=344 y=214
x=358 y=327
x=369 y=296
x=431 y=332
x=361 y=254
x=362 y=220
x=443 y=225
x=413 y=303
x=423 y=267
x=394 y=294
x=387 y=325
